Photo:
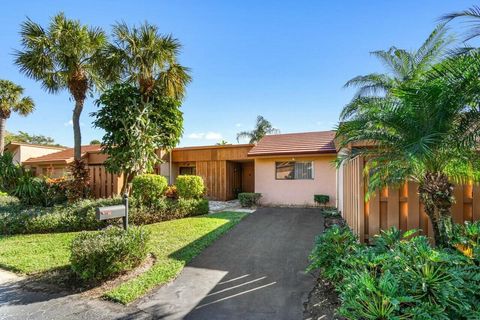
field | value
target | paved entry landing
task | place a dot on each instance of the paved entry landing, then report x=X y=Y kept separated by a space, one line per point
x=256 y=271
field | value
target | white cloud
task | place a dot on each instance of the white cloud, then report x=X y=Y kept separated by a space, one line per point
x=238 y=125
x=205 y=136
x=196 y=135
x=69 y=123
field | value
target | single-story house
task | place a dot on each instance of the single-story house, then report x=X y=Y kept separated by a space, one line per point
x=291 y=168
x=287 y=169
x=23 y=151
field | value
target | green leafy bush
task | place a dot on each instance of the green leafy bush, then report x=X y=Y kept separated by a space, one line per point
x=17 y=218
x=148 y=187
x=321 y=199
x=167 y=209
x=9 y=172
x=399 y=276
x=190 y=187
x=249 y=199
x=96 y=256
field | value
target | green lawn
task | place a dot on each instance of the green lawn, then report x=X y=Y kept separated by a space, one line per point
x=174 y=243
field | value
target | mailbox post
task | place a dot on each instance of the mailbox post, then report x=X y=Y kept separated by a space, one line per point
x=112 y=212
x=125 y=219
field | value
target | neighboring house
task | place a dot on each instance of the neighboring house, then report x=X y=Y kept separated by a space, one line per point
x=291 y=168
x=55 y=165
x=24 y=151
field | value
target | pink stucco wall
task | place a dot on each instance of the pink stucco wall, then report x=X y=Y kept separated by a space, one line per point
x=295 y=192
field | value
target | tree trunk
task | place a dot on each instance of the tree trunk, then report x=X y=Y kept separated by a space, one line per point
x=77 y=136
x=3 y=132
x=436 y=193
x=126 y=183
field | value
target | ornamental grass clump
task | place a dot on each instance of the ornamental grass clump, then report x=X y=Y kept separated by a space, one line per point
x=97 y=256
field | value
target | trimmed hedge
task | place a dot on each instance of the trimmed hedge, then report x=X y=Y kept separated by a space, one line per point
x=249 y=199
x=167 y=209
x=97 y=256
x=16 y=218
x=190 y=187
x=148 y=187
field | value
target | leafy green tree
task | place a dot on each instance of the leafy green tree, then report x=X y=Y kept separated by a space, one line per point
x=262 y=128
x=65 y=56
x=426 y=131
x=136 y=128
x=25 y=137
x=95 y=141
x=11 y=100
x=147 y=58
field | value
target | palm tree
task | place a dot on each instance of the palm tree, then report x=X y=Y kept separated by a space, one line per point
x=425 y=131
x=65 y=56
x=11 y=100
x=402 y=65
x=222 y=143
x=473 y=15
x=262 y=128
x=147 y=58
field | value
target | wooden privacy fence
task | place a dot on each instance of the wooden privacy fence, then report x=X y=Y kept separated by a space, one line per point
x=103 y=183
x=396 y=207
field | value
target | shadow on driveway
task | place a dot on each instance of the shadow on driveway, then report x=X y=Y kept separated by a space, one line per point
x=256 y=271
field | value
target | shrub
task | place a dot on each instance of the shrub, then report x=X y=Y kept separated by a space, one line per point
x=171 y=192
x=28 y=188
x=190 y=187
x=249 y=199
x=9 y=172
x=330 y=249
x=148 y=187
x=78 y=184
x=97 y=256
x=400 y=276
x=17 y=218
x=167 y=209
x=321 y=199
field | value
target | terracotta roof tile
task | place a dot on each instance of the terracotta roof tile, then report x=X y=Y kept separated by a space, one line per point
x=295 y=143
x=65 y=156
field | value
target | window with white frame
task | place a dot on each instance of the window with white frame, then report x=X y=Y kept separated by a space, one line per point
x=294 y=170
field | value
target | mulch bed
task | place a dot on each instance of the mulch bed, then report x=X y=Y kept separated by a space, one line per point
x=322 y=302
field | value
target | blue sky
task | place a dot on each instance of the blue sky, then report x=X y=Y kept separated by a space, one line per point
x=285 y=60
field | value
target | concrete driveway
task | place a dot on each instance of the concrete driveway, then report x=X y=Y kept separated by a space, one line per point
x=255 y=271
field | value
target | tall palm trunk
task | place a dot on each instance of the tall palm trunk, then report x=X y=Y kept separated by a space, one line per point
x=3 y=132
x=436 y=193
x=78 y=86
x=77 y=135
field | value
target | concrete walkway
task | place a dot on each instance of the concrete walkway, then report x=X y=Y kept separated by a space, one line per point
x=256 y=271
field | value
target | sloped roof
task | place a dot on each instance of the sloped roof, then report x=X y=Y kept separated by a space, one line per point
x=64 y=156
x=319 y=142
